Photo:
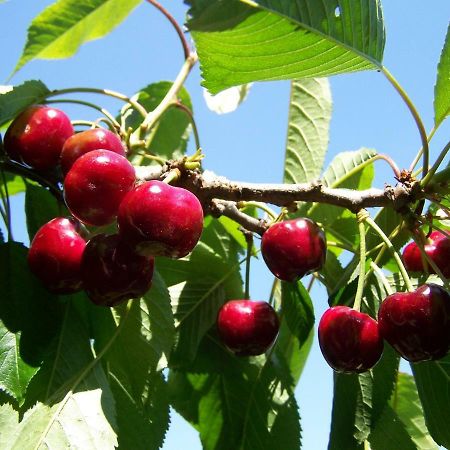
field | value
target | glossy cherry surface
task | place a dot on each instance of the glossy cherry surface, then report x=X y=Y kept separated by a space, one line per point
x=159 y=219
x=112 y=273
x=350 y=340
x=417 y=324
x=293 y=248
x=87 y=141
x=437 y=248
x=96 y=184
x=55 y=256
x=37 y=135
x=246 y=327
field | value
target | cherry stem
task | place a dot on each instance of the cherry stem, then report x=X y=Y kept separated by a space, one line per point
x=259 y=205
x=362 y=216
x=416 y=117
x=103 y=111
x=420 y=152
x=249 y=239
x=436 y=165
x=184 y=43
x=391 y=162
x=188 y=112
x=6 y=212
x=173 y=175
x=431 y=262
x=382 y=277
x=393 y=251
x=136 y=105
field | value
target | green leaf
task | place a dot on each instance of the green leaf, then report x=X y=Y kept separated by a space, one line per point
x=172 y=130
x=243 y=41
x=433 y=384
x=9 y=419
x=15 y=374
x=75 y=406
x=14 y=100
x=196 y=293
x=442 y=88
x=64 y=26
x=40 y=207
x=15 y=184
x=390 y=433
x=28 y=308
x=308 y=129
x=406 y=403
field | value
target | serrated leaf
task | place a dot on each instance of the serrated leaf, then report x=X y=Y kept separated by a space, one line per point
x=406 y=404
x=16 y=99
x=40 y=207
x=172 y=130
x=433 y=385
x=14 y=184
x=243 y=41
x=15 y=373
x=442 y=88
x=197 y=294
x=64 y=26
x=9 y=419
x=390 y=433
x=308 y=130
x=28 y=308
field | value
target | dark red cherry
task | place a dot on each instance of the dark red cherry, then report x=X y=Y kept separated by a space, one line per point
x=37 y=135
x=247 y=327
x=55 y=256
x=96 y=184
x=437 y=248
x=113 y=273
x=293 y=248
x=159 y=219
x=87 y=141
x=417 y=324
x=350 y=340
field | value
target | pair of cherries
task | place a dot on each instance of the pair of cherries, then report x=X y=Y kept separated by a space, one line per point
x=155 y=219
x=416 y=324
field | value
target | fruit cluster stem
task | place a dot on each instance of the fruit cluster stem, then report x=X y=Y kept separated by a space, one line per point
x=362 y=216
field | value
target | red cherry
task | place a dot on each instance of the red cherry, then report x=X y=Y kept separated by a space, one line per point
x=96 y=184
x=350 y=340
x=87 y=141
x=112 y=272
x=438 y=249
x=55 y=256
x=37 y=135
x=293 y=248
x=159 y=219
x=247 y=327
x=417 y=324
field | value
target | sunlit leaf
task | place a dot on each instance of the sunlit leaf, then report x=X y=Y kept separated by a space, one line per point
x=442 y=88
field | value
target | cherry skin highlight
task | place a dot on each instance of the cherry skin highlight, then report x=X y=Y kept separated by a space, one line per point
x=349 y=340
x=417 y=324
x=246 y=327
x=438 y=249
x=87 y=141
x=293 y=248
x=161 y=220
x=55 y=256
x=96 y=184
x=113 y=273
x=37 y=135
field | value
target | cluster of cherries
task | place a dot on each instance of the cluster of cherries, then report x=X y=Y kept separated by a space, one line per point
x=153 y=218
x=157 y=219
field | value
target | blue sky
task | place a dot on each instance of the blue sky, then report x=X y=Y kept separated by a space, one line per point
x=249 y=144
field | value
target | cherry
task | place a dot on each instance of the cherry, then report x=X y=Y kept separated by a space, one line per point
x=246 y=327
x=417 y=324
x=350 y=340
x=37 y=135
x=112 y=272
x=87 y=141
x=161 y=220
x=293 y=248
x=55 y=256
x=96 y=184
x=438 y=249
